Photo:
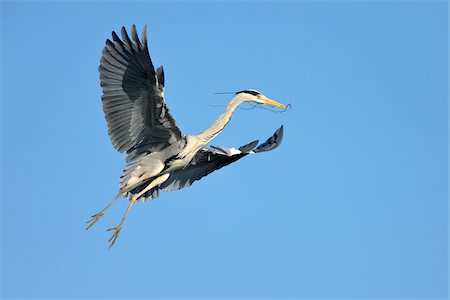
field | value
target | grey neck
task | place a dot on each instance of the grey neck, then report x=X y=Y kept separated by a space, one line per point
x=211 y=132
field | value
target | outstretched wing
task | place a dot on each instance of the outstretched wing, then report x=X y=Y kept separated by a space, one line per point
x=133 y=96
x=212 y=158
x=208 y=160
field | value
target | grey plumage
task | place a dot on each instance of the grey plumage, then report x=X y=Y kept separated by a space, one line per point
x=135 y=111
x=207 y=160
x=159 y=156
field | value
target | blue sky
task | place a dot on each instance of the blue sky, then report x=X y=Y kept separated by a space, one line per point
x=352 y=205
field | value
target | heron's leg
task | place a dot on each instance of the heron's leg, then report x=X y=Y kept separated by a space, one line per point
x=117 y=229
x=97 y=217
x=136 y=197
x=152 y=184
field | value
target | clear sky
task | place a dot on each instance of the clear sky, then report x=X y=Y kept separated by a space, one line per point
x=352 y=205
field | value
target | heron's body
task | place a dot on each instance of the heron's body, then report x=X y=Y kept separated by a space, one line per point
x=159 y=156
x=148 y=165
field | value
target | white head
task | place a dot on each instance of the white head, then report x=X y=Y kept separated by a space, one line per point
x=257 y=97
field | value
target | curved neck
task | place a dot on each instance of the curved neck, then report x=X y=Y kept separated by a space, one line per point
x=211 y=132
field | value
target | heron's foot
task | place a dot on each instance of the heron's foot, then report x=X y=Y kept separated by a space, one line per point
x=94 y=219
x=115 y=235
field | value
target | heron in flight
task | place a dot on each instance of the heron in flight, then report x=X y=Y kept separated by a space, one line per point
x=159 y=156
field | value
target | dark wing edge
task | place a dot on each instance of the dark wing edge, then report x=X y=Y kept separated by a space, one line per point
x=133 y=99
x=273 y=142
x=208 y=160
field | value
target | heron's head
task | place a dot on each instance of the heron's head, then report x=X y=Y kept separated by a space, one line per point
x=255 y=96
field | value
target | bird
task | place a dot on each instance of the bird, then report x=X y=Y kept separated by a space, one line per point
x=160 y=157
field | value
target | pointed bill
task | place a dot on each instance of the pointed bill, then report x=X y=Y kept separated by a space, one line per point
x=271 y=102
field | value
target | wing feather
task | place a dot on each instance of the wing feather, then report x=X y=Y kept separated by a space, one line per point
x=133 y=102
x=212 y=158
x=208 y=160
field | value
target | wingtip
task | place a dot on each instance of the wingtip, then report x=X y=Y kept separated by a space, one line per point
x=134 y=35
x=273 y=142
x=115 y=38
x=280 y=130
x=144 y=35
x=125 y=36
x=280 y=134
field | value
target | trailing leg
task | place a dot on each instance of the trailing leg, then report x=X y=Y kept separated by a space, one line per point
x=136 y=197
x=97 y=217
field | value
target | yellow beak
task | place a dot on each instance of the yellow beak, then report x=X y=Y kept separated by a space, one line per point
x=271 y=102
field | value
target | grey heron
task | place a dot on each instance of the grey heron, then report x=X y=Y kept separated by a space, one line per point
x=159 y=156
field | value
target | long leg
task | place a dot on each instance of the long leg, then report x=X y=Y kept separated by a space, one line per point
x=151 y=185
x=97 y=217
